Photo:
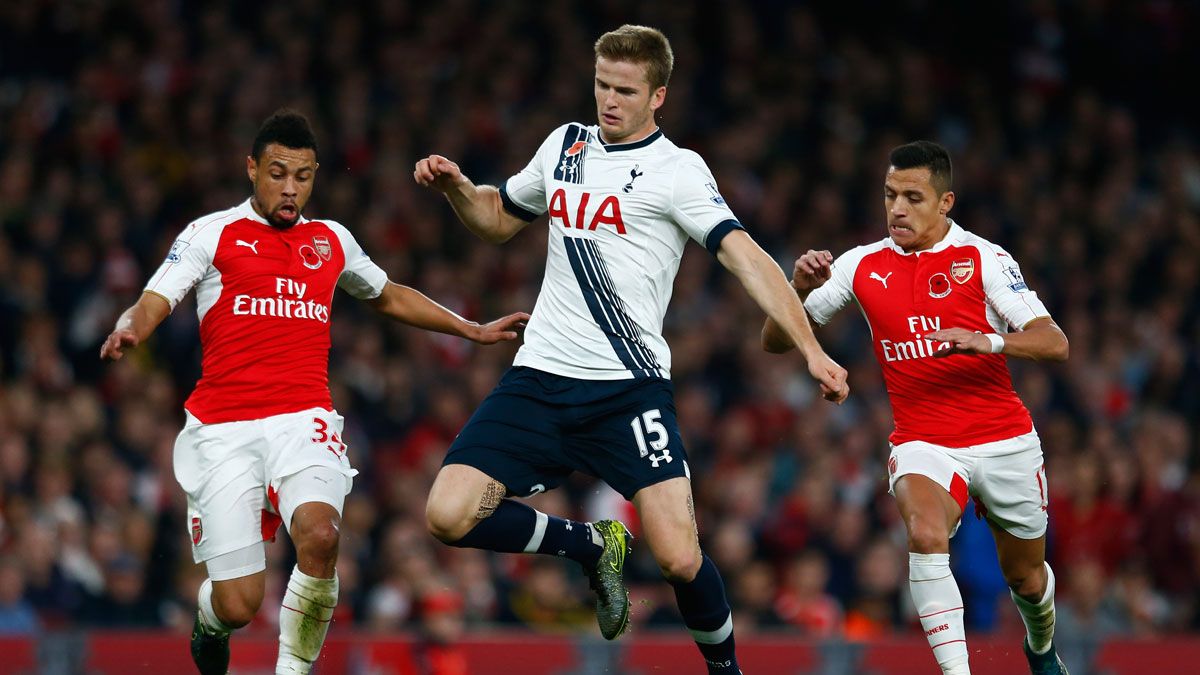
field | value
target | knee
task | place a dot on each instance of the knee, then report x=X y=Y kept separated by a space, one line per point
x=680 y=566
x=236 y=609
x=446 y=523
x=1027 y=581
x=318 y=540
x=927 y=536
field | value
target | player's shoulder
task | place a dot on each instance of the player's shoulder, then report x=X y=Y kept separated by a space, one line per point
x=989 y=251
x=209 y=227
x=861 y=252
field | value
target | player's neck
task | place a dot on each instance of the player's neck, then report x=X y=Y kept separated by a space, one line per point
x=631 y=138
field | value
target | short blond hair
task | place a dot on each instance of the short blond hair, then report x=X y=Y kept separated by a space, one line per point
x=640 y=44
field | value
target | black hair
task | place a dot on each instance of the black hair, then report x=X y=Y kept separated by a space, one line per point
x=929 y=155
x=286 y=127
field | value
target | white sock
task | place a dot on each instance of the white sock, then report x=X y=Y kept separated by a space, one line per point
x=208 y=615
x=940 y=605
x=1039 y=617
x=303 y=621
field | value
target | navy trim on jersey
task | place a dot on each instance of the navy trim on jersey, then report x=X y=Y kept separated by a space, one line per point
x=617 y=147
x=712 y=241
x=570 y=167
x=607 y=309
x=514 y=208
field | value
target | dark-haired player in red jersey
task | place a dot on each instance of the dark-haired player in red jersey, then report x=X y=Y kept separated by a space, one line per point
x=940 y=302
x=262 y=444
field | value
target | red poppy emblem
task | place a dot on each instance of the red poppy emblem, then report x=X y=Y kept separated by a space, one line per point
x=939 y=285
x=308 y=255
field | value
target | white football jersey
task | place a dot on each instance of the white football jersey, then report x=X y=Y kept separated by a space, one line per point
x=620 y=215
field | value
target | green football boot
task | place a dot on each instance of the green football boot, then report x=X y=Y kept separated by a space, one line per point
x=210 y=651
x=612 y=598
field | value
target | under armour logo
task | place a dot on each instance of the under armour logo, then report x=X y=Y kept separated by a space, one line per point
x=249 y=246
x=883 y=280
x=633 y=175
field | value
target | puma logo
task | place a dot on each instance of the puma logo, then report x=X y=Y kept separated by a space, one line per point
x=239 y=242
x=883 y=280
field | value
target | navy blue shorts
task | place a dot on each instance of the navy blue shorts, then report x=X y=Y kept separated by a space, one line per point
x=535 y=428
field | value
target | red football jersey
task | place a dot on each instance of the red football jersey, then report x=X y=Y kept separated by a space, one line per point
x=263 y=296
x=962 y=282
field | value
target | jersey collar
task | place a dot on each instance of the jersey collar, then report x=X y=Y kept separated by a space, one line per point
x=618 y=147
x=952 y=236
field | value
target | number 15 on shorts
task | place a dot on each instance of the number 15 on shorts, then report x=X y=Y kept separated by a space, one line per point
x=658 y=441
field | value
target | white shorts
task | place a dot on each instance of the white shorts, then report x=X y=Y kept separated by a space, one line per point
x=1007 y=479
x=243 y=479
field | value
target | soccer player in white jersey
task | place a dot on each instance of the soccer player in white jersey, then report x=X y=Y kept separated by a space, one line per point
x=940 y=302
x=590 y=388
x=262 y=444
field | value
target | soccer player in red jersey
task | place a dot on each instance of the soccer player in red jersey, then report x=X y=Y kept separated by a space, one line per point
x=940 y=302
x=262 y=444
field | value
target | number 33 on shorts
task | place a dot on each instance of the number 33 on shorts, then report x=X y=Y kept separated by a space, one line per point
x=323 y=436
x=658 y=433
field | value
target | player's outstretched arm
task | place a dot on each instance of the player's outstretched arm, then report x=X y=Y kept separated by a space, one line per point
x=1039 y=340
x=135 y=325
x=478 y=206
x=811 y=271
x=410 y=306
x=767 y=285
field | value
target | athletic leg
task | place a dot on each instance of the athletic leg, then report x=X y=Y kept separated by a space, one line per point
x=310 y=502
x=668 y=518
x=930 y=515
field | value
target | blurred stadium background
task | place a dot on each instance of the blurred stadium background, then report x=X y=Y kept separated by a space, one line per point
x=1075 y=142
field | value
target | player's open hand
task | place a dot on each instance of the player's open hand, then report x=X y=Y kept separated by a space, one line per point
x=831 y=377
x=502 y=329
x=438 y=173
x=117 y=341
x=959 y=341
x=812 y=270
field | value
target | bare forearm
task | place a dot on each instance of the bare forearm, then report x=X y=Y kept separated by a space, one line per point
x=767 y=285
x=774 y=338
x=1041 y=340
x=144 y=316
x=479 y=208
x=410 y=306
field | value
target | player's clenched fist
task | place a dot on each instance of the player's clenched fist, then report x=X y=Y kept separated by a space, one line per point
x=812 y=270
x=832 y=378
x=118 y=340
x=438 y=172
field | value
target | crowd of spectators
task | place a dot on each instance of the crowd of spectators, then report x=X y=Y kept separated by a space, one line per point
x=122 y=121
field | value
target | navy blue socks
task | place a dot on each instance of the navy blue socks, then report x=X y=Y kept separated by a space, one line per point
x=706 y=612
x=517 y=528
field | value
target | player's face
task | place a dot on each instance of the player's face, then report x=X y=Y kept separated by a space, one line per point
x=625 y=104
x=916 y=214
x=283 y=182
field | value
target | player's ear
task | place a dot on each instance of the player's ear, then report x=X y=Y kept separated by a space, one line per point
x=947 y=202
x=658 y=98
x=251 y=168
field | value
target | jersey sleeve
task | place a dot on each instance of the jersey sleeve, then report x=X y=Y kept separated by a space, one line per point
x=835 y=293
x=189 y=259
x=1006 y=290
x=524 y=194
x=698 y=207
x=360 y=277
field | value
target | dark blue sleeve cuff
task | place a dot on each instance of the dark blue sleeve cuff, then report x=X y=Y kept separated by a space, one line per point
x=511 y=207
x=713 y=241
